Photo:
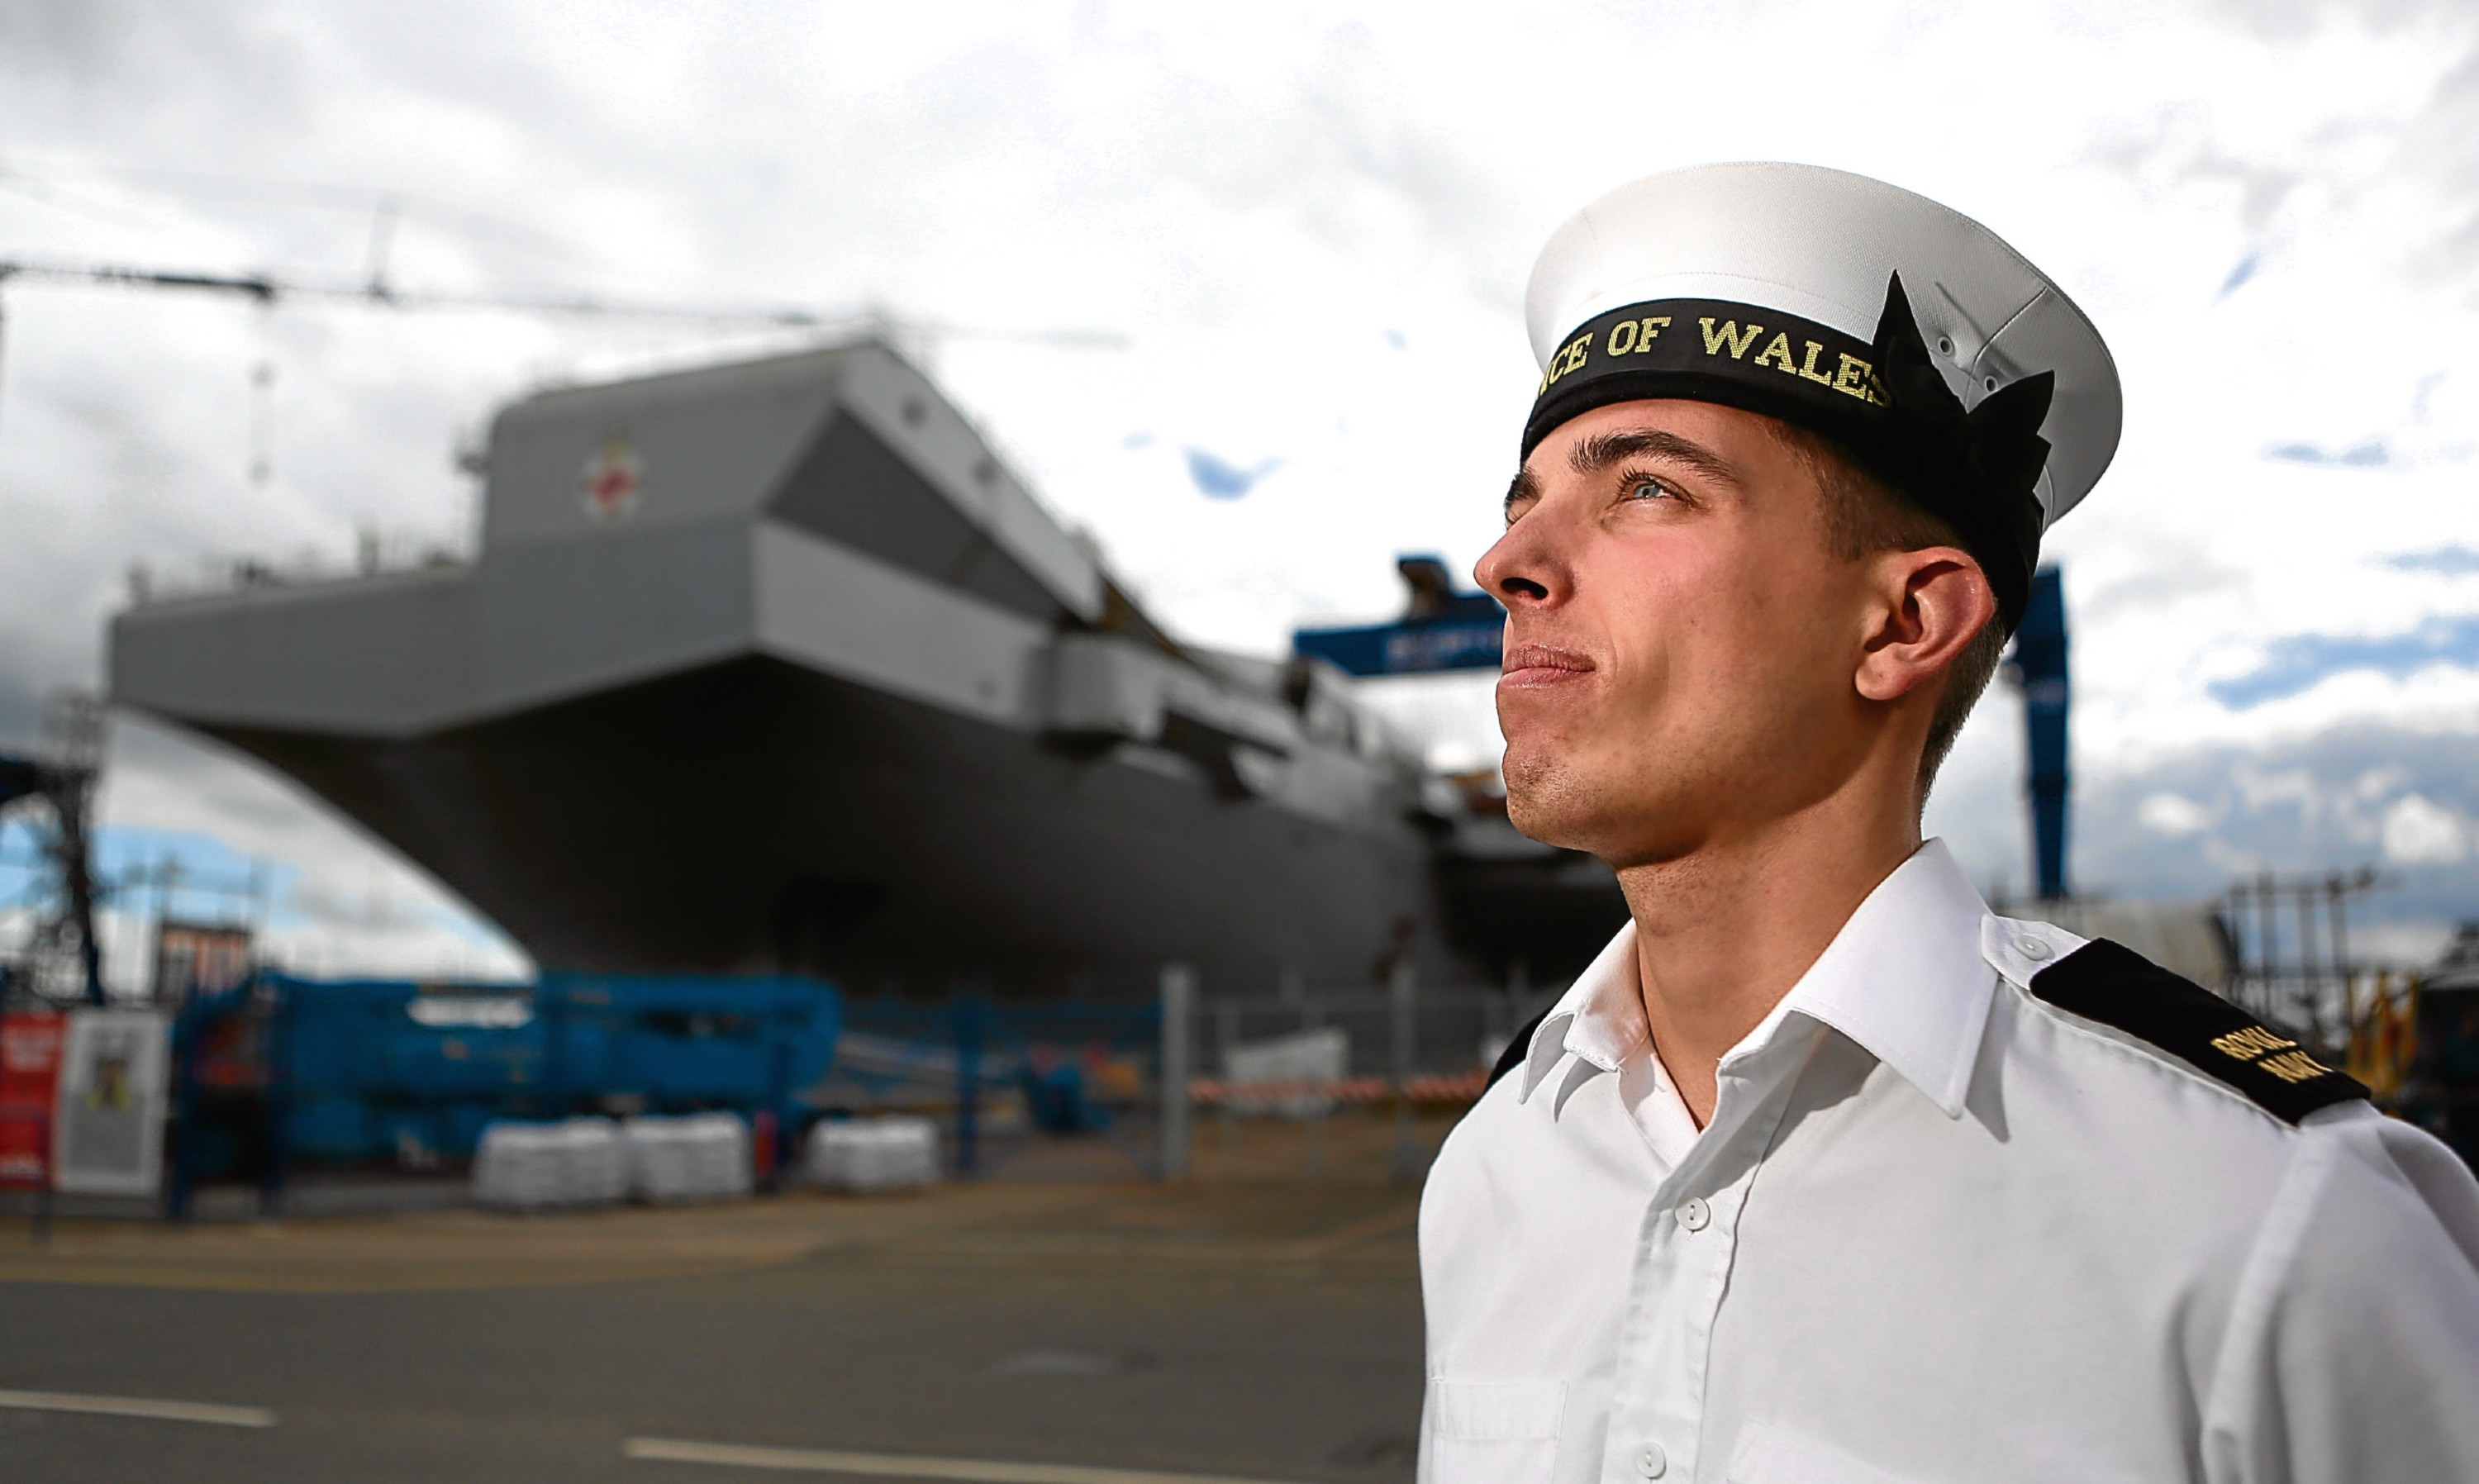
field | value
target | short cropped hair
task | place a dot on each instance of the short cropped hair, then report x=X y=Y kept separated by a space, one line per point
x=1863 y=515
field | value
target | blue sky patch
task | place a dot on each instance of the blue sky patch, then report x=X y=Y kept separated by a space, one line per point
x=2366 y=453
x=2299 y=662
x=211 y=883
x=1219 y=478
x=2455 y=561
x=2239 y=275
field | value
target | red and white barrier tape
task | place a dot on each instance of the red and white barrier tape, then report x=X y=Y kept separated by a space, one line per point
x=1453 y=1088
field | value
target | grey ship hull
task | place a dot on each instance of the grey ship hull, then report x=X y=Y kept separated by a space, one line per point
x=824 y=690
x=753 y=815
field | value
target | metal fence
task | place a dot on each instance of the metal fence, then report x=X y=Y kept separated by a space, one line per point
x=997 y=1070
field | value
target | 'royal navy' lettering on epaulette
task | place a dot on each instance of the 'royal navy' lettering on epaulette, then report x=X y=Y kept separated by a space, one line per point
x=2118 y=988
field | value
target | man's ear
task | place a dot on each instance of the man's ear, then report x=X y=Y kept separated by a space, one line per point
x=1928 y=606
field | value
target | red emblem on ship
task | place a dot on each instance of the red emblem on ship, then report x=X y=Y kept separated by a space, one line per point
x=612 y=480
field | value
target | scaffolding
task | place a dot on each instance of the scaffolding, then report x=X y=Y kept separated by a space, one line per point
x=2302 y=978
x=62 y=956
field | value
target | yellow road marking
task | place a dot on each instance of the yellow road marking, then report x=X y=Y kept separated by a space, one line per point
x=140 y=1406
x=903 y=1465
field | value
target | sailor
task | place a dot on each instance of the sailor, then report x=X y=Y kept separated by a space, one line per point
x=1821 y=1171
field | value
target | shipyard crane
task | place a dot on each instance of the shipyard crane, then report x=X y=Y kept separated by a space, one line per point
x=378 y=292
x=871 y=322
x=2037 y=665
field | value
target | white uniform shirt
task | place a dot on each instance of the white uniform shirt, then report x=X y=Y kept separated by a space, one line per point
x=1938 y=1231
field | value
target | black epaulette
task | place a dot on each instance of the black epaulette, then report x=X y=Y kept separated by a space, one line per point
x=2117 y=986
x=1517 y=1049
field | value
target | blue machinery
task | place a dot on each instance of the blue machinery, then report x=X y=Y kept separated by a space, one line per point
x=2039 y=663
x=283 y=1072
x=286 y=1070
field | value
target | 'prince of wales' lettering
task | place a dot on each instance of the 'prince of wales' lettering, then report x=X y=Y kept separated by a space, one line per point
x=1849 y=375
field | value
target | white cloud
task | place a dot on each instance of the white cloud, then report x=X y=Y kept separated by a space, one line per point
x=2377 y=782
x=2173 y=814
x=2418 y=832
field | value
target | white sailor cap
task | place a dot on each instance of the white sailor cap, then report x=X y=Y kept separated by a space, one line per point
x=1904 y=330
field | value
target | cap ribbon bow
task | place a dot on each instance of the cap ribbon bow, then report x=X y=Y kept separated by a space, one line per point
x=1977 y=468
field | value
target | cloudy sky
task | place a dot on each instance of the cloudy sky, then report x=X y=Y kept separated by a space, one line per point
x=1311 y=227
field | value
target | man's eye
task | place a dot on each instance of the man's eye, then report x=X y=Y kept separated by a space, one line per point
x=1647 y=489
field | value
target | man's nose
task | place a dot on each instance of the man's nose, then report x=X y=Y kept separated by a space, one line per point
x=1517 y=570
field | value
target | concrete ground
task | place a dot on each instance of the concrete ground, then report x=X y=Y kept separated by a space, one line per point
x=1259 y=1321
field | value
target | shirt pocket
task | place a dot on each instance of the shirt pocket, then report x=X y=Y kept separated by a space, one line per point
x=1492 y=1432
x=1770 y=1454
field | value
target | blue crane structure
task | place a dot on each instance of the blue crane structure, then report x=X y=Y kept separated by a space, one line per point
x=2039 y=663
x=1441 y=629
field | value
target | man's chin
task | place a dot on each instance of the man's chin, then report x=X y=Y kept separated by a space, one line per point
x=1549 y=804
x=1604 y=818
x=1546 y=826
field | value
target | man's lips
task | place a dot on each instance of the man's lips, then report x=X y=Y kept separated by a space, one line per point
x=1542 y=664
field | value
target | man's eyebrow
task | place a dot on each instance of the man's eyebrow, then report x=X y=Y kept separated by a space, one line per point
x=1603 y=450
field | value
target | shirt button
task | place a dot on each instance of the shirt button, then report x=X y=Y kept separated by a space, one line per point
x=1695 y=1215
x=1650 y=1461
x=2031 y=947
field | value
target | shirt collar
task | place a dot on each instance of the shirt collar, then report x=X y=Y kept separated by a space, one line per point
x=1905 y=979
x=1599 y=1018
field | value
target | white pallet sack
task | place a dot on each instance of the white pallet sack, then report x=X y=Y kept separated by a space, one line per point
x=701 y=1157
x=1298 y=1066
x=898 y=1152
x=543 y=1167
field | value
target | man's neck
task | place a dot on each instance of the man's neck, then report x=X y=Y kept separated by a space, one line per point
x=1722 y=934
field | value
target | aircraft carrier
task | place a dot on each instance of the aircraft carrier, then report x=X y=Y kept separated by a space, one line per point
x=776 y=667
